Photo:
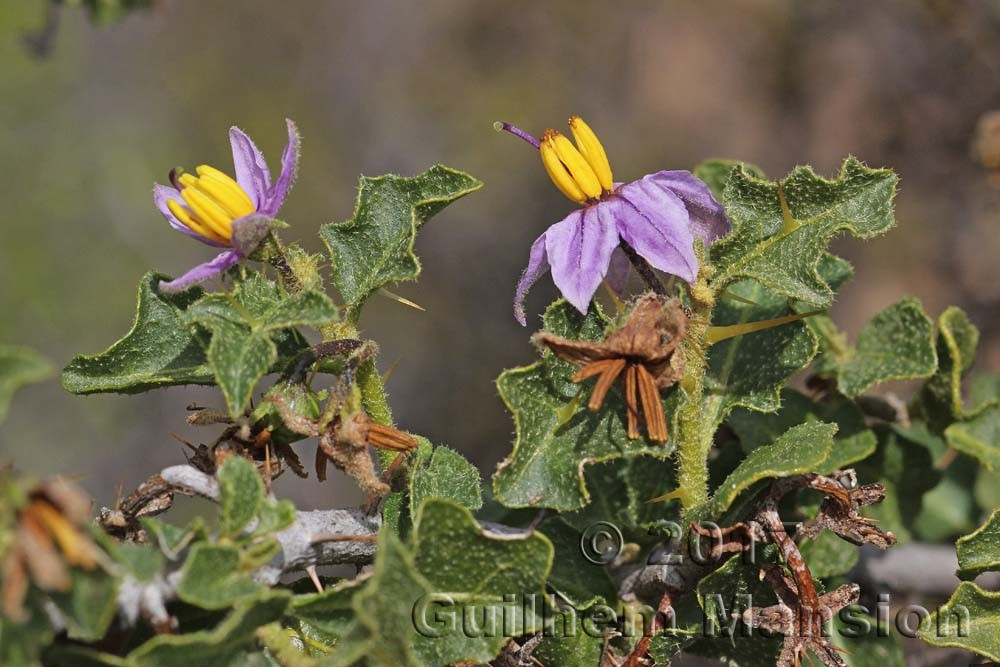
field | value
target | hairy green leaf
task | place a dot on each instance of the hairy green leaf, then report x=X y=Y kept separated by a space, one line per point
x=940 y=399
x=556 y=435
x=828 y=555
x=978 y=436
x=854 y=441
x=751 y=369
x=979 y=551
x=897 y=344
x=212 y=578
x=410 y=612
x=782 y=249
x=251 y=328
x=19 y=366
x=241 y=492
x=159 y=351
x=375 y=247
x=969 y=620
x=226 y=644
x=798 y=450
x=579 y=580
x=439 y=472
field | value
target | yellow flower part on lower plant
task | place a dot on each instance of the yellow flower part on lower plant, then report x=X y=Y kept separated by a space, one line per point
x=581 y=172
x=213 y=201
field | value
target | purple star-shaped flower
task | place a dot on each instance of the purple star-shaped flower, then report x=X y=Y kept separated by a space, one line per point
x=657 y=216
x=226 y=213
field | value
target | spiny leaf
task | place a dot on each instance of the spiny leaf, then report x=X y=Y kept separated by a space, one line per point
x=557 y=436
x=375 y=247
x=980 y=551
x=897 y=344
x=800 y=449
x=159 y=351
x=970 y=620
x=781 y=248
x=19 y=366
x=750 y=370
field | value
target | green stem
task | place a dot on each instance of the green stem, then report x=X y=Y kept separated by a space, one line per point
x=693 y=433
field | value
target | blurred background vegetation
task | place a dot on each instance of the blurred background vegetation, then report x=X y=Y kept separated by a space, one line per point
x=93 y=111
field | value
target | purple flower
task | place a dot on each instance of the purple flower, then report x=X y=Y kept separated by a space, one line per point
x=657 y=216
x=225 y=213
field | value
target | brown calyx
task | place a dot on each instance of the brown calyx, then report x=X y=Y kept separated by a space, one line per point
x=645 y=348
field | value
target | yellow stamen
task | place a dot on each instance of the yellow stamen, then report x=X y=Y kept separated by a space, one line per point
x=233 y=205
x=237 y=193
x=208 y=211
x=592 y=150
x=577 y=166
x=192 y=222
x=557 y=171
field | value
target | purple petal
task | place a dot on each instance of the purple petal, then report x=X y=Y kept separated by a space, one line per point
x=161 y=195
x=202 y=272
x=655 y=222
x=538 y=264
x=618 y=271
x=579 y=250
x=289 y=167
x=252 y=173
x=708 y=219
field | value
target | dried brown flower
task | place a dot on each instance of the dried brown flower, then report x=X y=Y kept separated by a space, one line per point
x=645 y=348
x=49 y=537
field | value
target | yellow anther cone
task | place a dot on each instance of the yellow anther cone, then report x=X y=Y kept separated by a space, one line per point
x=592 y=150
x=561 y=178
x=577 y=165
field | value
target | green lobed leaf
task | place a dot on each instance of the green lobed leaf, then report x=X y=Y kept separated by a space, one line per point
x=581 y=582
x=800 y=449
x=212 y=578
x=19 y=366
x=948 y=510
x=323 y=618
x=854 y=441
x=896 y=344
x=249 y=327
x=241 y=493
x=751 y=369
x=557 y=436
x=979 y=551
x=980 y=634
x=226 y=644
x=783 y=255
x=375 y=247
x=978 y=436
x=159 y=350
x=940 y=398
x=568 y=645
x=402 y=614
x=439 y=472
